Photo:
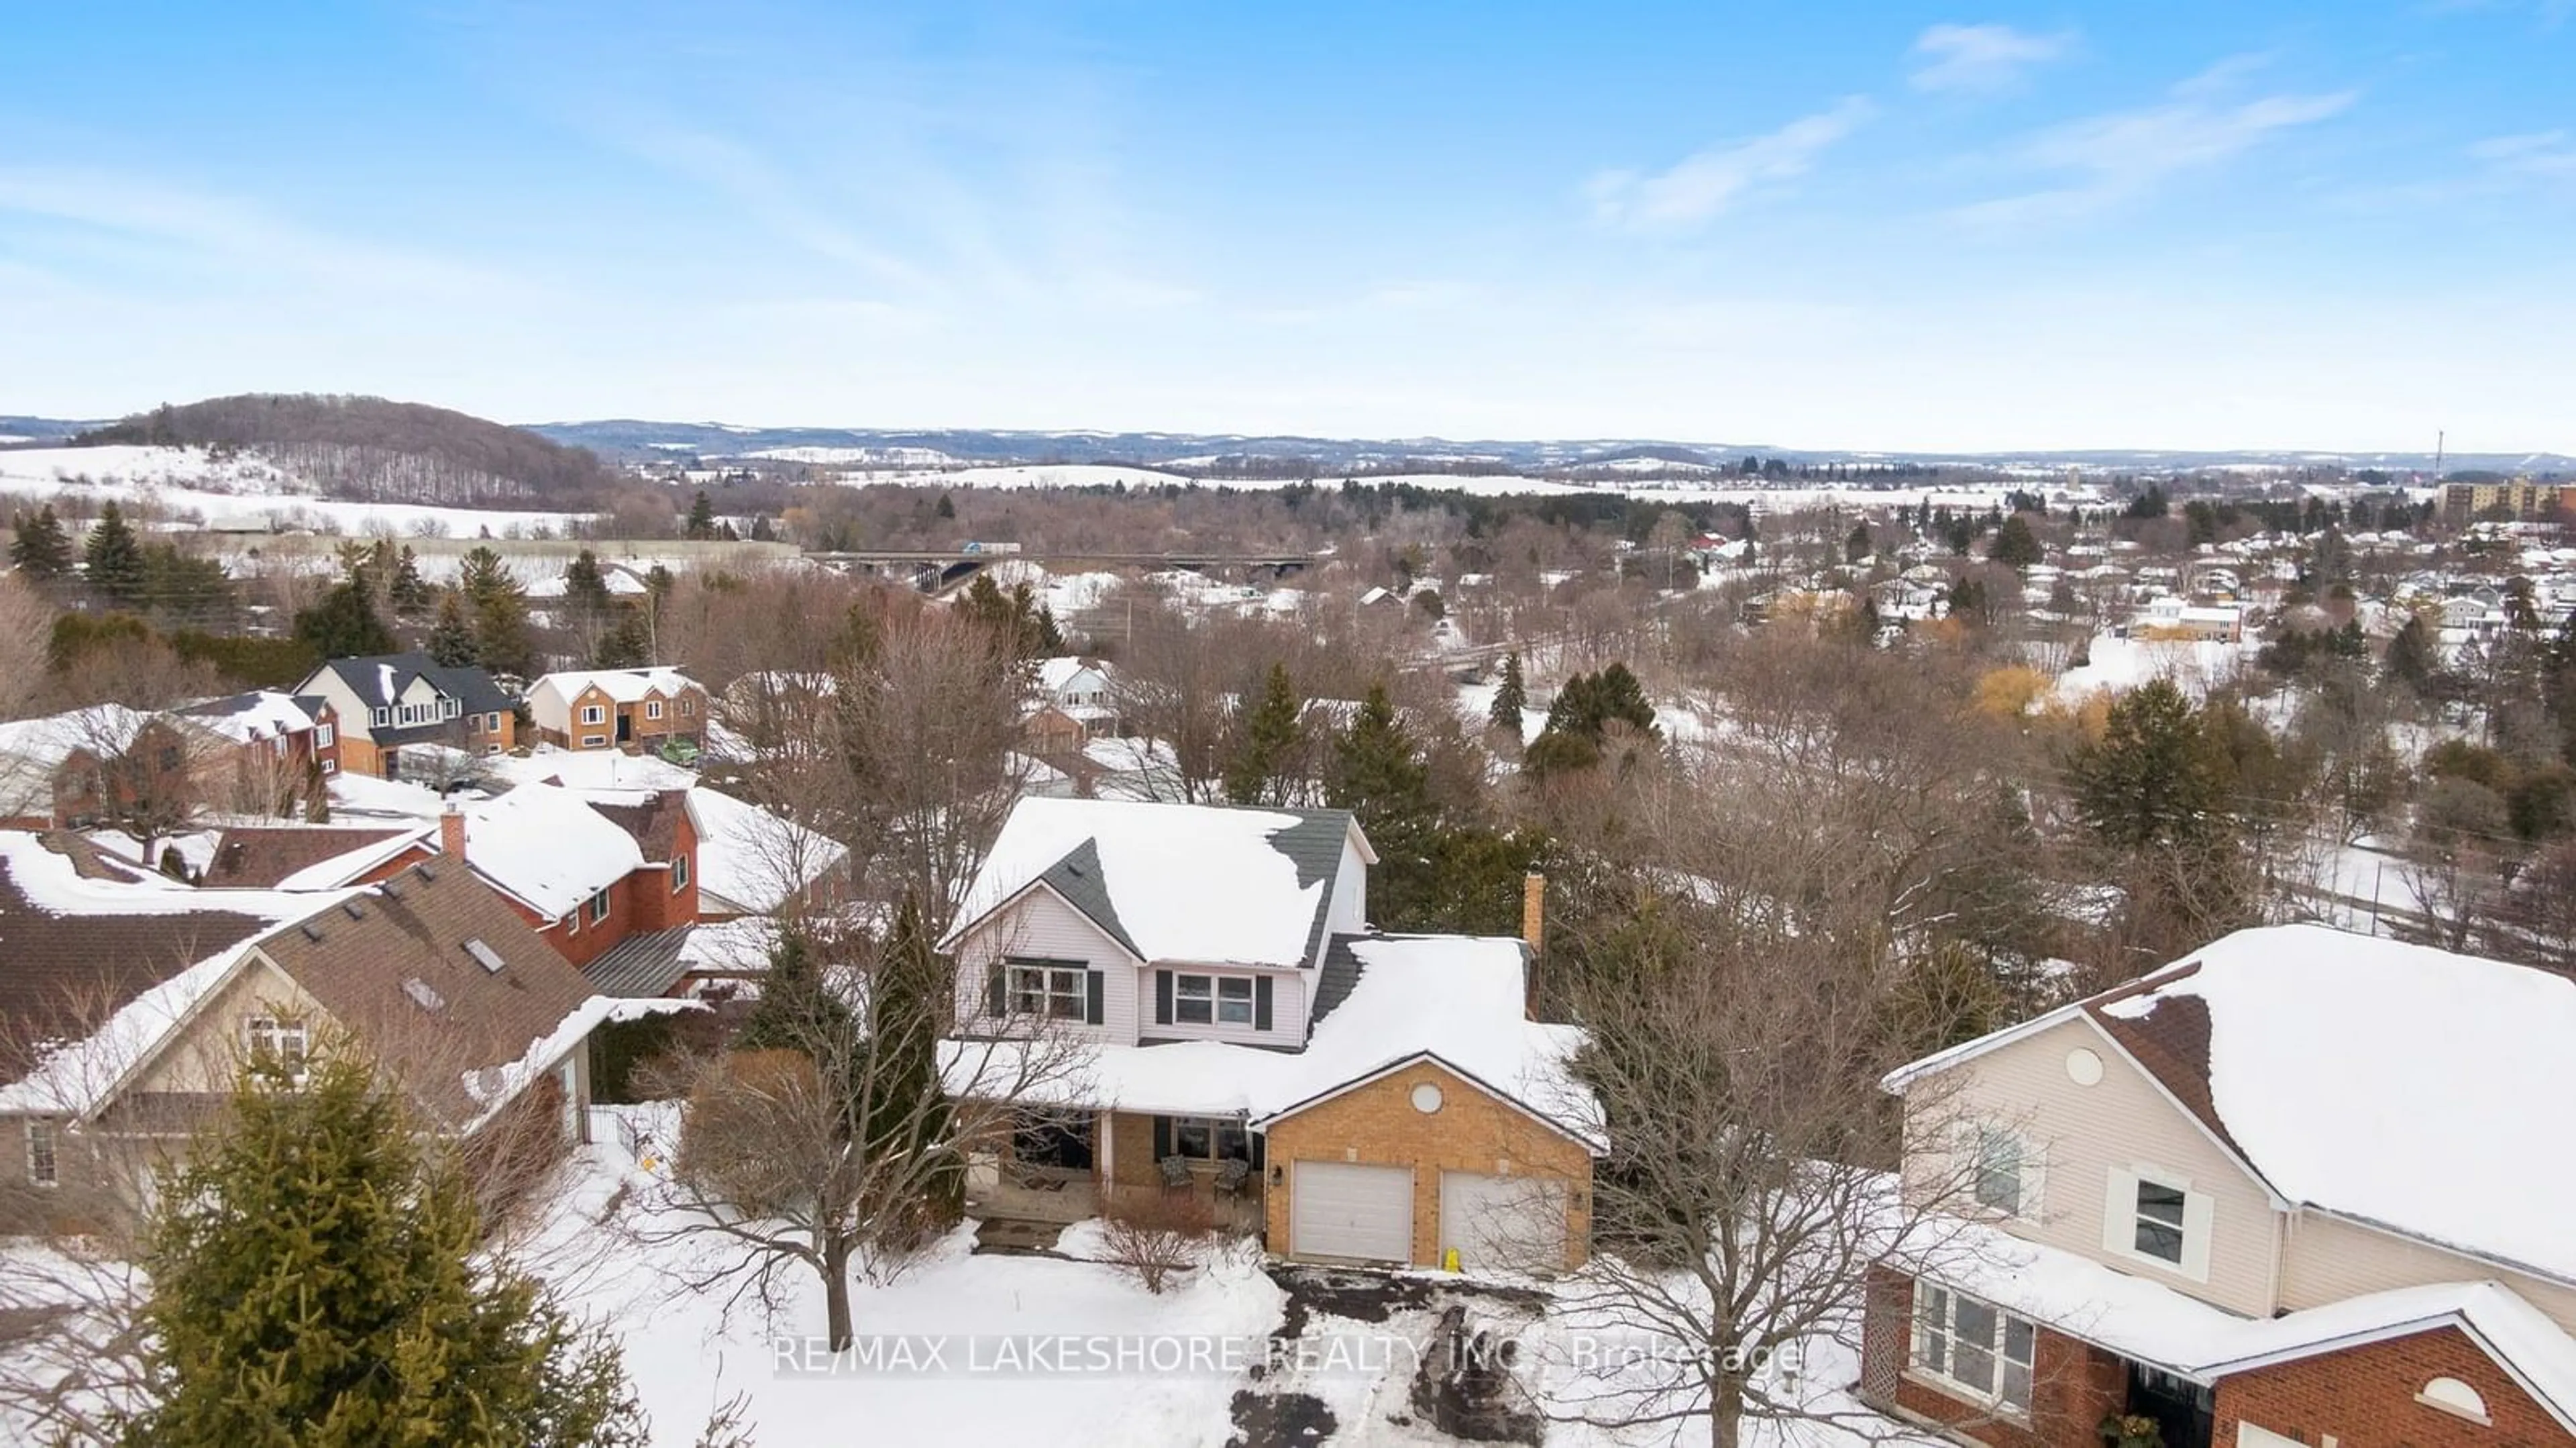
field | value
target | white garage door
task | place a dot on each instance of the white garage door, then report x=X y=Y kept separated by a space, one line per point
x=1342 y=1209
x=1502 y=1223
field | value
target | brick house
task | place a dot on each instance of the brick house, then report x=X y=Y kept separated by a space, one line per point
x=1358 y=1096
x=586 y=872
x=2296 y=1188
x=147 y=995
x=629 y=709
x=281 y=744
x=393 y=702
x=105 y=764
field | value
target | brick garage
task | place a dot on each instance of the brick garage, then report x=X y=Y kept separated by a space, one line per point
x=2365 y=1397
x=1475 y=1130
x=2074 y=1385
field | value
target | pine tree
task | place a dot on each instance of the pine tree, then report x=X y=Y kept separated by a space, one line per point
x=2156 y=778
x=702 y=517
x=114 y=560
x=1378 y=775
x=2411 y=657
x=39 y=547
x=628 y=644
x=317 y=1278
x=409 y=593
x=1856 y=548
x=1259 y=771
x=451 y=638
x=343 y=625
x=1510 y=698
x=500 y=612
x=2015 y=546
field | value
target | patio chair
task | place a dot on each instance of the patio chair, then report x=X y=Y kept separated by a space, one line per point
x=1231 y=1174
x=1176 y=1171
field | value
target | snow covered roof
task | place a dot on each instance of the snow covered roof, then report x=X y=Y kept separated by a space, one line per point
x=2153 y=1324
x=1204 y=884
x=548 y=847
x=380 y=680
x=1055 y=673
x=46 y=742
x=1460 y=999
x=2394 y=1084
x=624 y=686
x=303 y=857
x=257 y=716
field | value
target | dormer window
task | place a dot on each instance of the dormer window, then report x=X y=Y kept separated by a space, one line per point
x=1202 y=1000
x=1048 y=991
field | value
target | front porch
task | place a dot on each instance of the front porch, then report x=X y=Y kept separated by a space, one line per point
x=1061 y=1167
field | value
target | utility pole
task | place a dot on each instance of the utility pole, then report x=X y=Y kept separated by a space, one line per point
x=2440 y=437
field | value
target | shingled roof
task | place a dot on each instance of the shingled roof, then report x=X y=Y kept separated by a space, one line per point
x=268 y=856
x=651 y=820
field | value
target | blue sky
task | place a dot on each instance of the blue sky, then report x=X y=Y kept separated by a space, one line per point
x=2332 y=225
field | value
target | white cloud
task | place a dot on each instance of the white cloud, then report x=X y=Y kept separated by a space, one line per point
x=1702 y=185
x=2119 y=155
x=2538 y=155
x=1980 y=58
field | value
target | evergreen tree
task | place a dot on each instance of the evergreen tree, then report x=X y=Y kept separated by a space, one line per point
x=318 y=1278
x=1378 y=775
x=1579 y=717
x=2411 y=658
x=1510 y=698
x=2015 y=546
x=1016 y=616
x=702 y=517
x=2156 y=778
x=499 y=607
x=1259 y=773
x=947 y=507
x=114 y=560
x=409 y=593
x=586 y=592
x=628 y=644
x=1856 y=548
x=39 y=547
x=761 y=531
x=906 y=1104
x=451 y=638
x=343 y=624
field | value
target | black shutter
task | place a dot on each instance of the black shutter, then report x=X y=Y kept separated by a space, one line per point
x=1095 y=985
x=1162 y=998
x=1162 y=1137
x=1261 y=1003
x=996 y=992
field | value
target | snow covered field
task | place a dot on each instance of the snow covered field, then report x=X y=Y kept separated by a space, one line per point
x=2119 y=665
x=187 y=485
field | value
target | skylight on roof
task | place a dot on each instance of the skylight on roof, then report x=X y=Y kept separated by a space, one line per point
x=484 y=955
x=422 y=995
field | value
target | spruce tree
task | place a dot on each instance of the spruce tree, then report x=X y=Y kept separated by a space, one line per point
x=409 y=593
x=2015 y=546
x=1378 y=775
x=628 y=643
x=1258 y=772
x=318 y=1278
x=2411 y=657
x=1856 y=548
x=39 y=547
x=2156 y=778
x=114 y=559
x=947 y=507
x=343 y=624
x=702 y=517
x=1510 y=698
x=499 y=607
x=451 y=638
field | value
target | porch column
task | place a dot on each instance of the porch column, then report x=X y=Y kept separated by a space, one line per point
x=1104 y=1160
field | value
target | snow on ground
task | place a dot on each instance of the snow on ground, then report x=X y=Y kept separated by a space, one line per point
x=2119 y=665
x=686 y=1353
x=1027 y=475
x=243 y=493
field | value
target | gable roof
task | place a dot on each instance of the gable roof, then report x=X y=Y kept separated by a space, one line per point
x=2364 y=1077
x=379 y=681
x=548 y=847
x=257 y=716
x=651 y=818
x=45 y=742
x=1203 y=884
x=302 y=857
x=624 y=686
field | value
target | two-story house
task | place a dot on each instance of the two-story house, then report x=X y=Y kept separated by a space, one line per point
x=130 y=1001
x=281 y=744
x=104 y=764
x=1375 y=1098
x=586 y=872
x=391 y=702
x=629 y=709
x=2301 y=1187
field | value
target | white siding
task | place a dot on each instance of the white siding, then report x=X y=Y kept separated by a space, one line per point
x=2327 y=1261
x=355 y=716
x=2083 y=1134
x=1040 y=924
x=1347 y=912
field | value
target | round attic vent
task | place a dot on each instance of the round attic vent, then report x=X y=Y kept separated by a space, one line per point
x=1426 y=1098
x=2083 y=1067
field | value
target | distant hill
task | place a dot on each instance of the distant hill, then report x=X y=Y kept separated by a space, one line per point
x=373 y=450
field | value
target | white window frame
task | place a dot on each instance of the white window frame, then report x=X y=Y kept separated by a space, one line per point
x=492 y=723
x=383 y=717
x=1047 y=991
x=450 y=708
x=330 y=766
x=1989 y=1149
x=599 y=908
x=2121 y=1219
x=1227 y=1000
x=594 y=713
x=322 y=736
x=652 y=708
x=44 y=1154
x=284 y=1037
x=1936 y=1344
x=679 y=873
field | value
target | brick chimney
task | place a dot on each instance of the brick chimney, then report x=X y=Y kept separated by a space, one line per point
x=1534 y=911
x=451 y=832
